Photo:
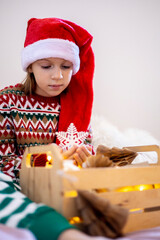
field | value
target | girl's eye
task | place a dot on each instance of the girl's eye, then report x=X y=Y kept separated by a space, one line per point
x=66 y=66
x=45 y=67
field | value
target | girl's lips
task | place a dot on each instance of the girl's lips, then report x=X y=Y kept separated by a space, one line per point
x=55 y=86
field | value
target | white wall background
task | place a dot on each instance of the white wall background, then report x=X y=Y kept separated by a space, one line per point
x=126 y=45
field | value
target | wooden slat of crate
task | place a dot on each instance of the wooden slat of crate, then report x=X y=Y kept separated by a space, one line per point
x=24 y=186
x=130 y=200
x=135 y=222
x=55 y=185
x=142 y=221
x=113 y=177
x=138 y=221
x=41 y=190
x=134 y=199
x=24 y=174
x=31 y=183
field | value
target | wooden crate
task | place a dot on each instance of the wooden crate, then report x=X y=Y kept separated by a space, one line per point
x=57 y=188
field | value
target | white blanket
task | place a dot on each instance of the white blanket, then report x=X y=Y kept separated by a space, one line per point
x=109 y=135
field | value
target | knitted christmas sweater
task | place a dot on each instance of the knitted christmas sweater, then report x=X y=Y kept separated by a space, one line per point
x=25 y=121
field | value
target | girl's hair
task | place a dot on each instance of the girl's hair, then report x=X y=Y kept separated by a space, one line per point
x=29 y=84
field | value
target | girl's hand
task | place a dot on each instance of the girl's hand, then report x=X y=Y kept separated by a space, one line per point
x=81 y=154
x=70 y=153
x=78 y=154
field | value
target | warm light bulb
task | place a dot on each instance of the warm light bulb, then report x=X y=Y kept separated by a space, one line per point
x=49 y=158
x=75 y=220
x=141 y=188
x=125 y=189
x=157 y=185
x=49 y=161
x=70 y=194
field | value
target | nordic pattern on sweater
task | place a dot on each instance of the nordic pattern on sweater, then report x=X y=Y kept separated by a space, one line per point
x=24 y=121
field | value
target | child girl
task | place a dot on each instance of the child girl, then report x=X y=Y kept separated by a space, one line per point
x=55 y=98
x=57 y=93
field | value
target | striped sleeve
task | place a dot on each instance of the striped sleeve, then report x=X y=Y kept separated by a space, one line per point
x=17 y=211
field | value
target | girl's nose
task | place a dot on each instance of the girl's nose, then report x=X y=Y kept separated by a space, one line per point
x=57 y=74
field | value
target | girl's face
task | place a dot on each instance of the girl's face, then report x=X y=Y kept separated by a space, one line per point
x=52 y=75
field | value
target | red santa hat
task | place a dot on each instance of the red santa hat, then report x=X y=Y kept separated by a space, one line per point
x=53 y=37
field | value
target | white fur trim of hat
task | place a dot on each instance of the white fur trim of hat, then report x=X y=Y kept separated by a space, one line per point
x=58 y=48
